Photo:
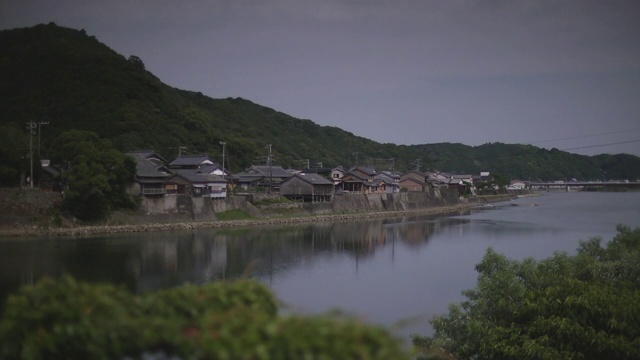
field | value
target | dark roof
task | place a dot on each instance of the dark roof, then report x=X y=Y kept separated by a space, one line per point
x=357 y=176
x=248 y=177
x=375 y=182
x=207 y=169
x=416 y=180
x=366 y=170
x=314 y=179
x=323 y=170
x=276 y=171
x=387 y=177
x=148 y=168
x=148 y=154
x=191 y=160
x=194 y=176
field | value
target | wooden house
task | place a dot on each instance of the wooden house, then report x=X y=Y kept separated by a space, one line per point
x=353 y=182
x=414 y=181
x=151 y=174
x=194 y=183
x=308 y=188
x=268 y=176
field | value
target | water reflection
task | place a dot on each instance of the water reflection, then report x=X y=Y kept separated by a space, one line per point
x=149 y=261
x=384 y=270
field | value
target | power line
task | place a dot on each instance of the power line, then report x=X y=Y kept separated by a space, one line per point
x=600 y=145
x=584 y=136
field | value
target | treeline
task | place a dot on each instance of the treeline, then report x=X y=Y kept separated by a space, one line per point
x=71 y=81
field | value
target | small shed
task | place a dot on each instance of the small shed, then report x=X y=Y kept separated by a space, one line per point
x=308 y=188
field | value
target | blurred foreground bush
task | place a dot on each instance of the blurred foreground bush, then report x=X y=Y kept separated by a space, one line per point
x=65 y=319
x=585 y=306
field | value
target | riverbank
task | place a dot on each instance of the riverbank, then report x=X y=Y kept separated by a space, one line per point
x=35 y=230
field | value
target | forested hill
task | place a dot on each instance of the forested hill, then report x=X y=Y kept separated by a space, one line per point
x=72 y=81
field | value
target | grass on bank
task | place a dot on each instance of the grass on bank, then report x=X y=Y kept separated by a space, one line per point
x=231 y=215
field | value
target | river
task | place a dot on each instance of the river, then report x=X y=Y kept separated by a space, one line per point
x=397 y=272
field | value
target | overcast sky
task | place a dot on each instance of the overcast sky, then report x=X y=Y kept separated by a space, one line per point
x=552 y=73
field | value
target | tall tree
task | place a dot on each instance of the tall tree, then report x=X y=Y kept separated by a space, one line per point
x=94 y=173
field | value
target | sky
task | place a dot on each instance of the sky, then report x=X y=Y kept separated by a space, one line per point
x=559 y=74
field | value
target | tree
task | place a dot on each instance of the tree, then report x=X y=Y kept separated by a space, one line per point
x=94 y=173
x=585 y=306
x=14 y=150
x=136 y=61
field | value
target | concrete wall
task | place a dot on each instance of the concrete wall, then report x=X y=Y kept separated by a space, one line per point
x=351 y=202
x=203 y=208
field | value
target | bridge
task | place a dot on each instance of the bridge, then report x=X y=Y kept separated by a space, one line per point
x=585 y=185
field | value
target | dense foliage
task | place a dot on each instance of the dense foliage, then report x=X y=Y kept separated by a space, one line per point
x=65 y=319
x=71 y=80
x=14 y=148
x=585 y=306
x=94 y=174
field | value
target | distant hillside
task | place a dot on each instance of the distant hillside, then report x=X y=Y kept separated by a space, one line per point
x=71 y=80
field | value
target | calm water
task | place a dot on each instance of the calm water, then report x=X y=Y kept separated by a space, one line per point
x=384 y=271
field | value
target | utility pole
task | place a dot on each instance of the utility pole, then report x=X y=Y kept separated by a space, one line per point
x=269 y=163
x=224 y=150
x=31 y=127
x=356 y=154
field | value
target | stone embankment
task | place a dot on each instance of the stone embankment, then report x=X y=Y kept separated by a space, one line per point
x=348 y=208
x=91 y=230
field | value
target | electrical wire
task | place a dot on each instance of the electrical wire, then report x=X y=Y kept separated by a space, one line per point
x=601 y=145
x=584 y=136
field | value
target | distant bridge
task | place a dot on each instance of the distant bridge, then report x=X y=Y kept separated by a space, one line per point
x=586 y=185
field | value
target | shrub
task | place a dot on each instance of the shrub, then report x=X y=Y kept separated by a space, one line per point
x=585 y=306
x=73 y=320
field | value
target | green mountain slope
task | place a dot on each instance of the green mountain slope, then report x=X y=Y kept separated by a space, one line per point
x=71 y=80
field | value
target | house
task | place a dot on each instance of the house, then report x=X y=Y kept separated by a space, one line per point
x=271 y=176
x=336 y=175
x=49 y=177
x=353 y=182
x=360 y=179
x=467 y=183
x=377 y=186
x=151 y=174
x=414 y=181
x=413 y=185
x=307 y=187
x=391 y=181
x=215 y=169
x=192 y=162
x=192 y=182
x=368 y=173
x=516 y=185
